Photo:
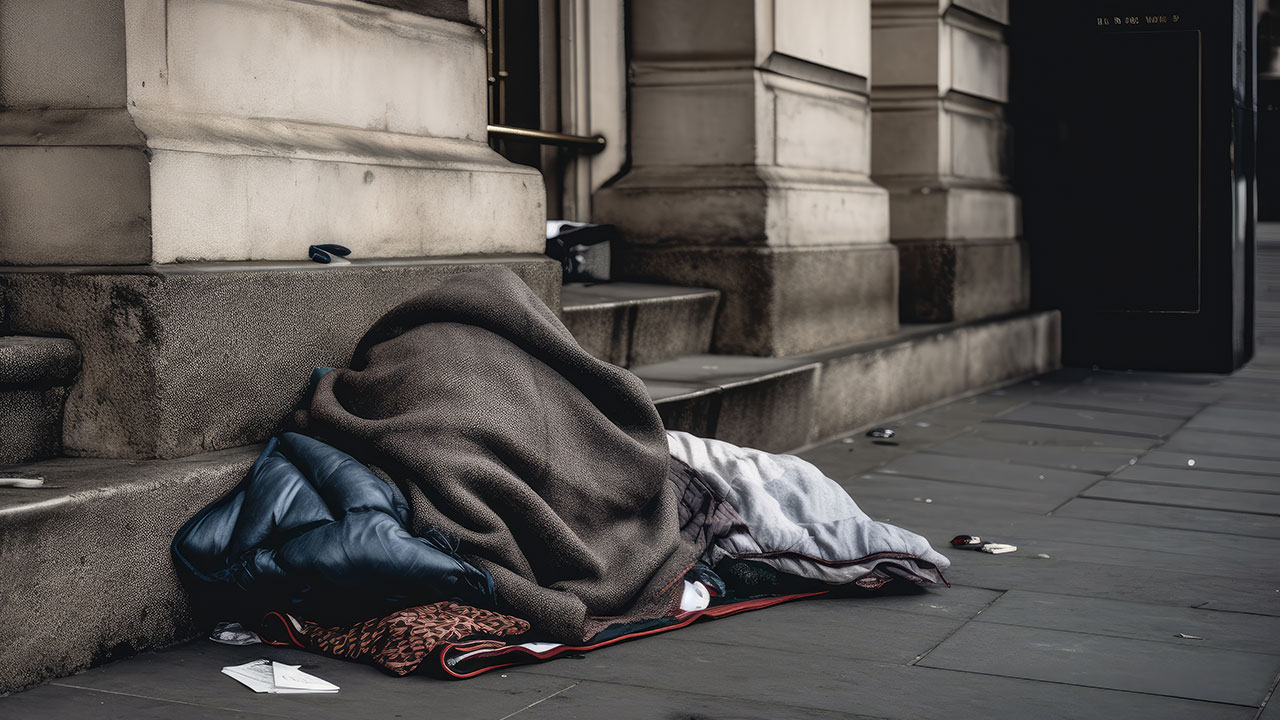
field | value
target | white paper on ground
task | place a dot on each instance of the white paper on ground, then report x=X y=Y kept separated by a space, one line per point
x=289 y=677
x=265 y=676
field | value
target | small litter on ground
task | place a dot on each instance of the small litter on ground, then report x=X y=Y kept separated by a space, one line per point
x=233 y=633
x=267 y=676
x=19 y=482
x=973 y=542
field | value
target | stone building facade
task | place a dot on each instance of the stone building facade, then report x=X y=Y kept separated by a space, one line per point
x=829 y=176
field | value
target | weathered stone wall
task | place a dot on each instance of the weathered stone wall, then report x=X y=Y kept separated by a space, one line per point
x=941 y=148
x=137 y=131
x=750 y=163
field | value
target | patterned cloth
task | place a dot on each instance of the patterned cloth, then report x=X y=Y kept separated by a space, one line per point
x=401 y=641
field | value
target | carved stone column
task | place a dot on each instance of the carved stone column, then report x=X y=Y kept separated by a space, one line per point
x=140 y=131
x=750 y=154
x=940 y=147
x=164 y=165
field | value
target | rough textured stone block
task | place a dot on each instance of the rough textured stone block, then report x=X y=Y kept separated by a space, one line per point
x=764 y=403
x=36 y=361
x=30 y=423
x=863 y=384
x=861 y=387
x=946 y=281
x=782 y=301
x=636 y=324
x=744 y=205
x=34 y=373
x=87 y=574
x=1000 y=350
x=191 y=358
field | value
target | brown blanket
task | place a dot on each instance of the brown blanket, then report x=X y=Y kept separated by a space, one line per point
x=549 y=466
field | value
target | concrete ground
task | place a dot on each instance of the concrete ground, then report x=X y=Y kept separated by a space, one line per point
x=1145 y=508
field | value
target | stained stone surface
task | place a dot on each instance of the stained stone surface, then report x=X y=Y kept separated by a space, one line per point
x=185 y=359
x=34 y=373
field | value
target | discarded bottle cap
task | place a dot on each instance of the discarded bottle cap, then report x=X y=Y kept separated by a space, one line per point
x=881 y=432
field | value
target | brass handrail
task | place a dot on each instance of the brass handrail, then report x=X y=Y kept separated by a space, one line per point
x=588 y=144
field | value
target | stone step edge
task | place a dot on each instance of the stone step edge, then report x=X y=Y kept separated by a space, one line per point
x=63 y=555
x=636 y=323
x=855 y=385
x=568 y=303
x=37 y=362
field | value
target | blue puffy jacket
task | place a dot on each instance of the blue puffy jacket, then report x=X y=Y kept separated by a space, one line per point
x=313 y=531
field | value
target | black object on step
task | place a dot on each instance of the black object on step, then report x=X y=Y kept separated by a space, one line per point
x=584 y=250
x=321 y=253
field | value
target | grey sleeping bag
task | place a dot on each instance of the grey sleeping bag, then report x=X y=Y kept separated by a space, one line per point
x=801 y=522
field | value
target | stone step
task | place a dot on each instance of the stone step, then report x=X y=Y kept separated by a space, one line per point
x=764 y=403
x=34 y=375
x=630 y=324
x=85 y=560
x=780 y=404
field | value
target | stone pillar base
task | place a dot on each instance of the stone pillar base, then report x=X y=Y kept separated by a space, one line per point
x=781 y=301
x=183 y=359
x=945 y=281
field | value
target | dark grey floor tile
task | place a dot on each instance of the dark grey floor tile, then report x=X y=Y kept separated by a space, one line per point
x=1132 y=403
x=1272 y=709
x=1243 y=420
x=1245 y=446
x=57 y=702
x=993 y=473
x=962 y=603
x=1197 y=477
x=1254 y=388
x=851 y=628
x=808 y=680
x=1020 y=571
x=1192 y=497
x=1001 y=431
x=191 y=673
x=590 y=700
x=856 y=453
x=1209 y=461
x=1099 y=461
x=1152 y=378
x=846 y=460
x=1101 y=421
x=838 y=460
x=1102 y=661
x=1067 y=538
x=1063 y=548
x=1209 y=521
x=1154 y=391
x=1139 y=621
x=901 y=488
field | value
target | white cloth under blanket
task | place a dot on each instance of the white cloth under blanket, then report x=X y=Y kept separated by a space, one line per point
x=799 y=520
